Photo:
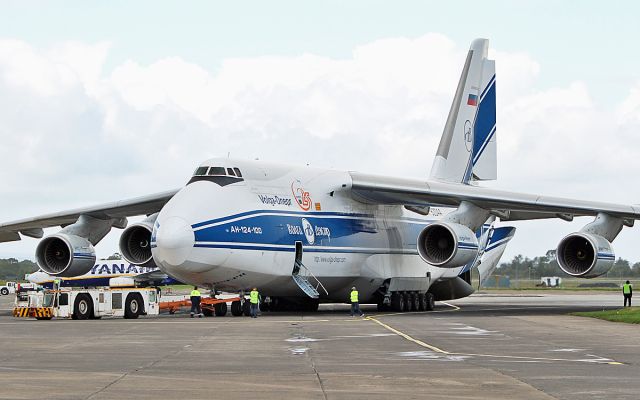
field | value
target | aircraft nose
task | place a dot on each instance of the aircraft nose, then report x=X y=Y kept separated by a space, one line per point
x=174 y=241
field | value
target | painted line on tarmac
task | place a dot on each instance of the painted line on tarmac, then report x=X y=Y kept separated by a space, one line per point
x=599 y=360
x=407 y=337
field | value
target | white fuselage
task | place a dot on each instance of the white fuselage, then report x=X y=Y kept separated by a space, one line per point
x=232 y=234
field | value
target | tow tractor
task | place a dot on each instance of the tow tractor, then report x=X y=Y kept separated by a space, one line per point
x=83 y=303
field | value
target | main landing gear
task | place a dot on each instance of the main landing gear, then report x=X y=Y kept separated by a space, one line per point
x=408 y=301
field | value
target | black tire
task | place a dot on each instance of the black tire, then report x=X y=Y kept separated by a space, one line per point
x=431 y=302
x=311 y=306
x=221 y=309
x=207 y=312
x=407 y=302
x=422 y=302
x=246 y=308
x=397 y=302
x=4 y=291
x=413 y=302
x=236 y=308
x=133 y=307
x=43 y=318
x=83 y=307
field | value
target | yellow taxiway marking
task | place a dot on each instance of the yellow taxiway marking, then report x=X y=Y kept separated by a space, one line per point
x=441 y=351
x=409 y=338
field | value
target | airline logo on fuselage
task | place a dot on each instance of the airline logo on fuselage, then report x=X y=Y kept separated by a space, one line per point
x=115 y=268
x=303 y=198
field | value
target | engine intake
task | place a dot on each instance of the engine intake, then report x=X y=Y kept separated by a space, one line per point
x=135 y=242
x=585 y=255
x=447 y=245
x=65 y=255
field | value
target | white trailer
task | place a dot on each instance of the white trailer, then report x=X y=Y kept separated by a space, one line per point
x=94 y=303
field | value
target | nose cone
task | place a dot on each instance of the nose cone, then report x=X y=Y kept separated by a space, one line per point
x=174 y=241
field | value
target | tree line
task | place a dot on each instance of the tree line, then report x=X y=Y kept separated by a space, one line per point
x=13 y=270
x=521 y=267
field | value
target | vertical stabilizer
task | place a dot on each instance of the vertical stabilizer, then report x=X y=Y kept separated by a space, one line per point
x=467 y=149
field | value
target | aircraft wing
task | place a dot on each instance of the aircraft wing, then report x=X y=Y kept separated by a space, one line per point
x=509 y=206
x=118 y=209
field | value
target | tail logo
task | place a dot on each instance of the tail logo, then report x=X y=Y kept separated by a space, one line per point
x=467 y=135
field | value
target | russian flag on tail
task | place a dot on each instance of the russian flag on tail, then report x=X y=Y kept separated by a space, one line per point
x=473 y=100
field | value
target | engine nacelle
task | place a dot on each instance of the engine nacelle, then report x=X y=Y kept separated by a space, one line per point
x=65 y=255
x=447 y=244
x=135 y=243
x=585 y=255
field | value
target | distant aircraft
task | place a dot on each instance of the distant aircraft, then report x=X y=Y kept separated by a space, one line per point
x=102 y=272
x=304 y=234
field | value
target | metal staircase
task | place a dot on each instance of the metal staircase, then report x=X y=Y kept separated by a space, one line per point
x=301 y=276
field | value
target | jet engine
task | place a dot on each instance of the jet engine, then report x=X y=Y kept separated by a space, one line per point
x=70 y=252
x=447 y=244
x=585 y=255
x=135 y=242
x=65 y=255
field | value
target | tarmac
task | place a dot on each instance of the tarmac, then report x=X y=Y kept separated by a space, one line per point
x=519 y=345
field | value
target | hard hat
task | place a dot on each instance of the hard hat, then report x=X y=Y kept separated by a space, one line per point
x=353 y=288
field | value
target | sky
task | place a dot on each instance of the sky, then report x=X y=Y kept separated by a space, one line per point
x=102 y=101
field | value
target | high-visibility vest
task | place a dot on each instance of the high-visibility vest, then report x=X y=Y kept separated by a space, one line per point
x=253 y=297
x=626 y=288
x=354 y=296
x=195 y=293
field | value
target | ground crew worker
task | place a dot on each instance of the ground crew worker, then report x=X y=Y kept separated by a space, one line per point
x=627 y=291
x=56 y=284
x=195 y=302
x=254 y=299
x=355 y=306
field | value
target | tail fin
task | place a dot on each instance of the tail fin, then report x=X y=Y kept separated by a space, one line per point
x=467 y=149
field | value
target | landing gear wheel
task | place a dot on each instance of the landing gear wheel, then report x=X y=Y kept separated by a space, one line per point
x=431 y=302
x=397 y=302
x=221 y=309
x=83 y=307
x=133 y=307
x=422 y=302
x=415 y=302
x=236 y=308
x=246 y=308
x=407 y=302
x=311 y=306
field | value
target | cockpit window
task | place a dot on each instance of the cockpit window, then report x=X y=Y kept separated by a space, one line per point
x=201 y=171
x=238 y=174
x=230 y=172
x=216 y=171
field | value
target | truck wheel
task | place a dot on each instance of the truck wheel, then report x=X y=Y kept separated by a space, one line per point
x=83 y=307
x=236 y=308
x=4 y=291
x=133 y=307
x=221 y=309
x=207 y=312
x=246 y=308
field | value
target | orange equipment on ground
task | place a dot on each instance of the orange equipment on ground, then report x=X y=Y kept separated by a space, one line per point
x=207 y=303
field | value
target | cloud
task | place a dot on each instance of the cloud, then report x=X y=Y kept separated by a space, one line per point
x=74 y=133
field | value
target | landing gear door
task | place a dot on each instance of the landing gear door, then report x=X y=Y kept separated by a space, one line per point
x=298 y=260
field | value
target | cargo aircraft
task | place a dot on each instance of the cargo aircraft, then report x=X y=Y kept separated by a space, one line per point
x=304 y=235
